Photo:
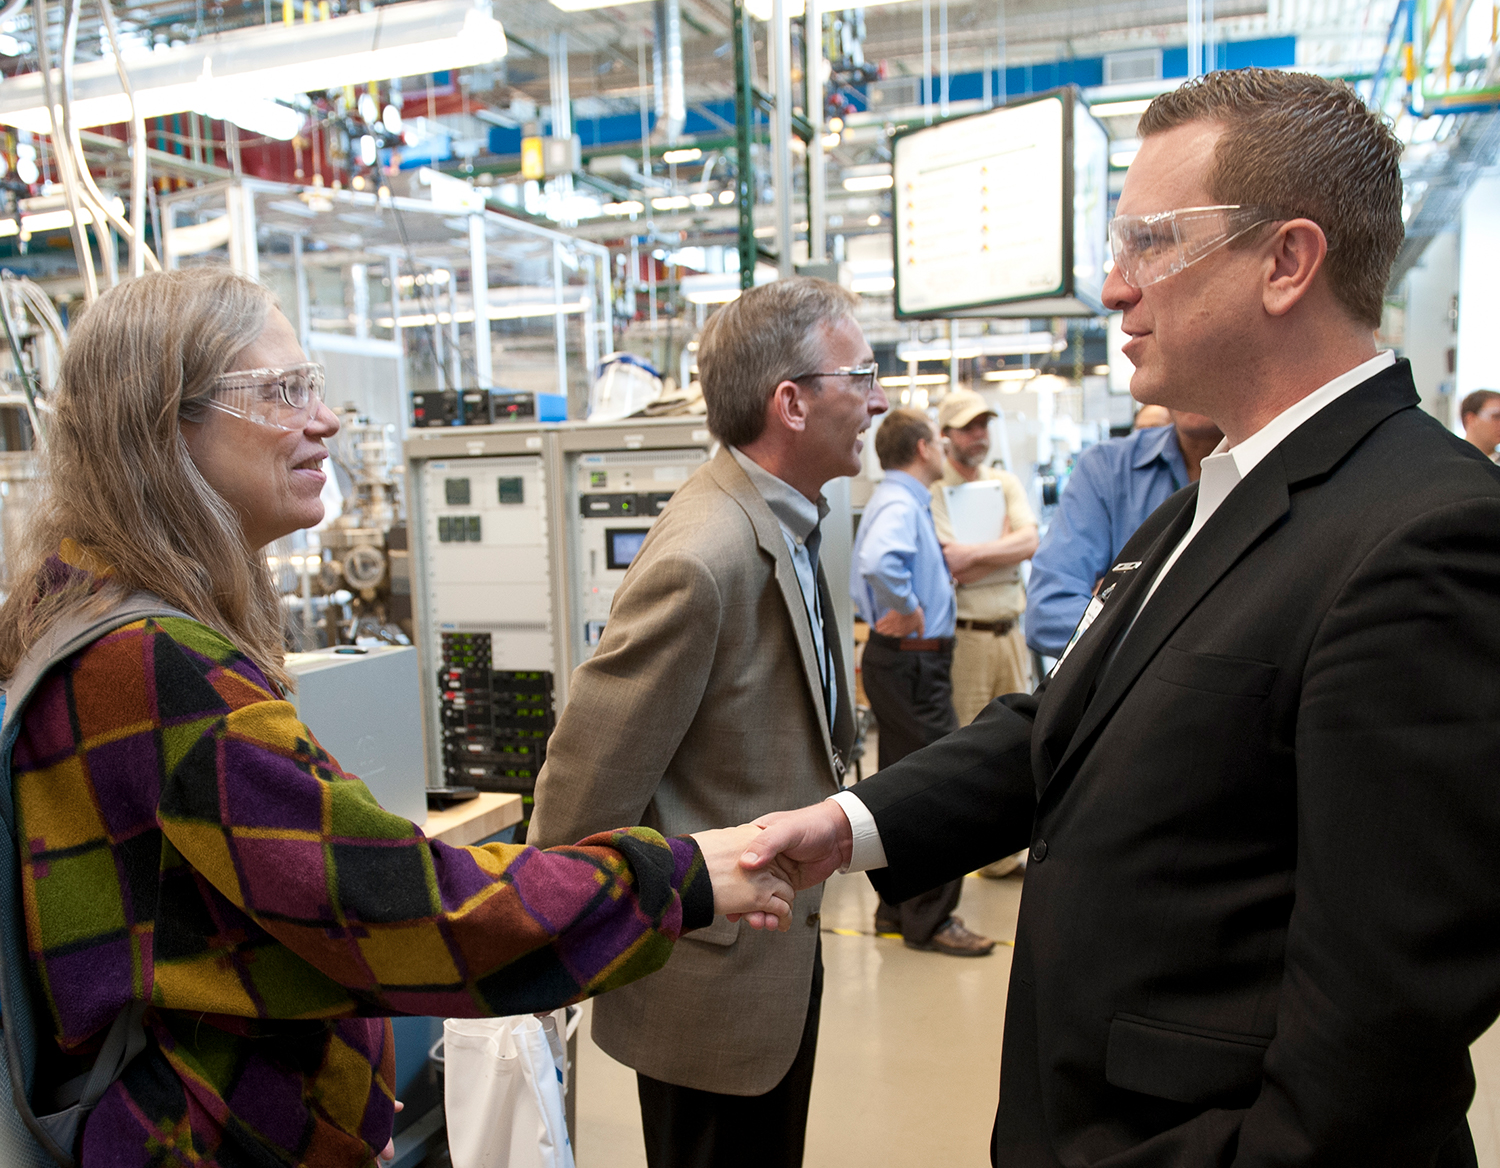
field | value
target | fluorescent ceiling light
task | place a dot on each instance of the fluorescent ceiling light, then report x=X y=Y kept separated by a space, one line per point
x=671 y=203
x=869 y=182
x=873 y=285
x=496 y=312
x=1120 y=109
x=896 y=382
x=580 y=5
x=629 y=207
x=688 y=154
x=395 y=40
x=761 y=9
x=720 y=287
x=702 y=199
x=52 y=220
x=1010 y=374
x=987 y=346
x=726 y=197
x=1121 y=159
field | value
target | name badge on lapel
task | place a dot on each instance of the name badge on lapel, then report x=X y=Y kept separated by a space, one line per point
x=1107 y=587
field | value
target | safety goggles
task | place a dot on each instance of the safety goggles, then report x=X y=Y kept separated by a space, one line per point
x=1148 y=248
x=864 y=375
x=284 y=399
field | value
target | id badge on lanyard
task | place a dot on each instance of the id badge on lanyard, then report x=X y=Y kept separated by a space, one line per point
x=1106 y=588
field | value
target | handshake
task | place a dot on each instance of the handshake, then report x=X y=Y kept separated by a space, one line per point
x=757 y=868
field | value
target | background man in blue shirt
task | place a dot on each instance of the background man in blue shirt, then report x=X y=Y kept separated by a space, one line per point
x=1114 y=486
x=902 y=589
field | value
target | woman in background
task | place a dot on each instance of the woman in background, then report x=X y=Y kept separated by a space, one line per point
x=185 y=841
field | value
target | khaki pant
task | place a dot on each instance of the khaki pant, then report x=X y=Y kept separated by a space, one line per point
x=986 y=666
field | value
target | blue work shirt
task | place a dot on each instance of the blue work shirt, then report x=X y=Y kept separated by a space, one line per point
x=1114 y=486
x=898 y=563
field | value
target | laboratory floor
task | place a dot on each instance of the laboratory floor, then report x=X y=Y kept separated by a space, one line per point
x=908 y=1052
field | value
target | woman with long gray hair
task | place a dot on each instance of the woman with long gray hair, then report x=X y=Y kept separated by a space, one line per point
x=188 y=850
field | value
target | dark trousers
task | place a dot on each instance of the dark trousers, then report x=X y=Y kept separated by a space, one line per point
x=911 y=695
x=689 y=1128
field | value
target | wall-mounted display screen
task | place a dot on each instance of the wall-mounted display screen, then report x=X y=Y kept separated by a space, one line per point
x=1006 y=207
x=622 y=544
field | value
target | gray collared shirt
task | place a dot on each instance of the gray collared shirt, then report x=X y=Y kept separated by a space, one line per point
x=799 y=518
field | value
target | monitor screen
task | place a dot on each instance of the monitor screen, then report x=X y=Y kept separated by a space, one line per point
x=621 y=545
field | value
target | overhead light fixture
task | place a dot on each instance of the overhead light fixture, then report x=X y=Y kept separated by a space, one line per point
x=872 y=285
x=762 y=10
x=1120 y=109
x=726 y=197
x=1121 y=159
x=702 y=199
x=896 y=381
x=395 y=40
x=678 y=157
x=1011 y=374
x=995 y=345
x=869 y=182
x=10 y=47
x=51 y=220
x=720 y=287
x=628 y=207
x=671 y=203
x=581 y=5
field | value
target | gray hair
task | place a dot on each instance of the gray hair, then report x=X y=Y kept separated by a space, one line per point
x=750 y=346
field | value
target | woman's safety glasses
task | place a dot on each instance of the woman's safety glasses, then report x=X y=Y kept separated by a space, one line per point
x=1148 y=248
x=284 y=399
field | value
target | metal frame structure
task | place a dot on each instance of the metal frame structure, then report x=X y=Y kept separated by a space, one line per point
x=383 y=242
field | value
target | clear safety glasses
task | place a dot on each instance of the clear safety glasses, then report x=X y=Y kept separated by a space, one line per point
x=284 y=399
x=1148 y=248
x=863 y=375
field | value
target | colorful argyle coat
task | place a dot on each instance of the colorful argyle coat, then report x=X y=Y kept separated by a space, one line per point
x=186 y=841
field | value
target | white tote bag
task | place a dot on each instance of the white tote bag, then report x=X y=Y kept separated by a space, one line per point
x=503 y=1092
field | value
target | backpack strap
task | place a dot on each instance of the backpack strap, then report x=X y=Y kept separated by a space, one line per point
x=52 y=1136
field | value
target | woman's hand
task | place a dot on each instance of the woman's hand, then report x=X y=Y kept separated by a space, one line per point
x=764 y=894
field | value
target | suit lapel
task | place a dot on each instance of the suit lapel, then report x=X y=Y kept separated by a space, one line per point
x=771 y=540
x=1251 y=510
x=1073 y=682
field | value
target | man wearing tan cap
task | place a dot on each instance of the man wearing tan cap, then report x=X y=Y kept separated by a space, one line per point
x=989 y=650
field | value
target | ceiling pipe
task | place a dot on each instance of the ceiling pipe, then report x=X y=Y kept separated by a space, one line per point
x=671 y=90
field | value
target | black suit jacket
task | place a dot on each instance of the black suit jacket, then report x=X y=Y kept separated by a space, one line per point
x=1262 y=921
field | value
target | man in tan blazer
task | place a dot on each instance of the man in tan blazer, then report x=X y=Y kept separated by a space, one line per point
x=717 y=693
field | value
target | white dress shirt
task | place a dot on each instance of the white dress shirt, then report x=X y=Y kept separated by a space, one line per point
x=798 y=517
x=1222 y=471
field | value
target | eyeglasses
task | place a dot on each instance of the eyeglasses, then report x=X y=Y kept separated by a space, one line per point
x=284 y=399
x=867 y=372
x=1149 y=248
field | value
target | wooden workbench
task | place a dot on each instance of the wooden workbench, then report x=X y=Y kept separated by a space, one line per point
x=470 y=822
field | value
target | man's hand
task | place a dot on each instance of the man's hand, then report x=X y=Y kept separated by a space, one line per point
x=901 y=624
x=763 y=895
x=808 y=846
x=960 y=558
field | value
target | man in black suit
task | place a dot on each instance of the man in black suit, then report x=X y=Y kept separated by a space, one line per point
x=1261 y=924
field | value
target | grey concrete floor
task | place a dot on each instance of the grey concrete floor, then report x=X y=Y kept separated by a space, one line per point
x=908 y=1050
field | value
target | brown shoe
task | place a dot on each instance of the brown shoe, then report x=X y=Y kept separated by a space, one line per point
x=956 y=941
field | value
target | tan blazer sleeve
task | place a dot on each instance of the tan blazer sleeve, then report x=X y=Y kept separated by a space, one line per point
x=632 y=702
